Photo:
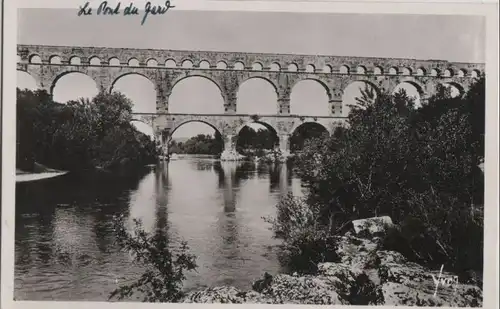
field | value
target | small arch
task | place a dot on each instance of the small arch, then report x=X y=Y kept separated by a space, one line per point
x=327 y=69
x=462 y=73
x=239 y=65
x=420 y=72
x=344 y=69
x=133 y=62
x=275 y=67
x=434 y=72
x=35 y=59
x=448 y=73
x=75 y=60
x=393 y=71
x=114 y=61
x=257 y=66
x=95 y=61
x=19 y=60
x=378 y=70
x=221 y=65
x=310 y=68
x=292 y=67
x=407 y=71
x=475 y=74
x=187 y=64
x=55 y=60
x=152 y=63
x=204 y=64
x=170 y=63
x=360 y=70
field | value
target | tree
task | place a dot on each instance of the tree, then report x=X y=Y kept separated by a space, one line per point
x=418 y=166
x=80 y=135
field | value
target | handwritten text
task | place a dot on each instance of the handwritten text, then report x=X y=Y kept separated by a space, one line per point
x=106 y=9
x=444 y=281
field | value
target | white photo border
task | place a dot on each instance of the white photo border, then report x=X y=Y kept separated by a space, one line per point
x=488 y=10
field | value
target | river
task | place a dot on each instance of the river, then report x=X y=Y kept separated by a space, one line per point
x=65 y=246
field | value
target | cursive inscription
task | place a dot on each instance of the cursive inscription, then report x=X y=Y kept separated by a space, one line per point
x=105 y=8
x=444 y=281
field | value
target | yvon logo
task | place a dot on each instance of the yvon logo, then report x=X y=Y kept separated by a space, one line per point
x=445 y=281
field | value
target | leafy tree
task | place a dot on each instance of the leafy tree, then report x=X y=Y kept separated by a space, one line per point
x=419 y=166
x=80 y=135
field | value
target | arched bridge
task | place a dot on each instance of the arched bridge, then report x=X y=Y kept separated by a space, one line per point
x=228 y=70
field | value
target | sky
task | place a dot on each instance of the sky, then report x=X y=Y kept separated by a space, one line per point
x=452 y=38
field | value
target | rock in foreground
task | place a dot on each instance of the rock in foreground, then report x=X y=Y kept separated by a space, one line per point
x=363 y=275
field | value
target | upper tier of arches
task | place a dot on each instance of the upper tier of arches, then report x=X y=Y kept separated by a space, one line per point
x=83 y=56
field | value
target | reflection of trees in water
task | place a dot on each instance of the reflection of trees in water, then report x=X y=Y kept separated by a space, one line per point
x=202 y=164
x=93 y=198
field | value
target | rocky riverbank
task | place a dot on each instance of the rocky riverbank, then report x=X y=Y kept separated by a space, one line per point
x=363 y=275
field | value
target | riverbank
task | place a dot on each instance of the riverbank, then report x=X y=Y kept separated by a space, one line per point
x=38 y=172
x=24 y=177
x=364 y=274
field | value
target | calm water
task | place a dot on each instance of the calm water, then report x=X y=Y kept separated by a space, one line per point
x=65 y=246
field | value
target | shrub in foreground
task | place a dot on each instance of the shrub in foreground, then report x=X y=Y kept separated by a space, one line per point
x=165 y=270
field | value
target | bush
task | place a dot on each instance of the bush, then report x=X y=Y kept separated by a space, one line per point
x=162 y=281
x=305 y=244
x=418 y=166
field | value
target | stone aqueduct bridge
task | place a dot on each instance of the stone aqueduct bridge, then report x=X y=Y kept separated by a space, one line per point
x=228 y=70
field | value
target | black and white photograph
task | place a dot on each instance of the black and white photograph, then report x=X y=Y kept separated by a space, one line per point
x=249 y=157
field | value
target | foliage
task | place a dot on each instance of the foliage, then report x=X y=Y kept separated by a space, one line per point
x=253 y=142
x=199 y=144
x=304 y=133
x=79 y=135
x=162 y=280
x=418 y=166
x=305 y=244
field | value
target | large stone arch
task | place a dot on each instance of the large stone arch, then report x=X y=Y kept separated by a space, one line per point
x=264 y=123
x=294 y=137
x=324 y=110
x=124 y=74
x=61 y=75
x=297 y=125
x=33 y=80
x=176 y=125
x=140 y=89
x=348 y=101
x=179 y=80
x=315 y=79
x=241 y=98
x=201 y=74
x=416 y=85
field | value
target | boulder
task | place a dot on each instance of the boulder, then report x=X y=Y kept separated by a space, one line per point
x=363 y=275
x=372 y=225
